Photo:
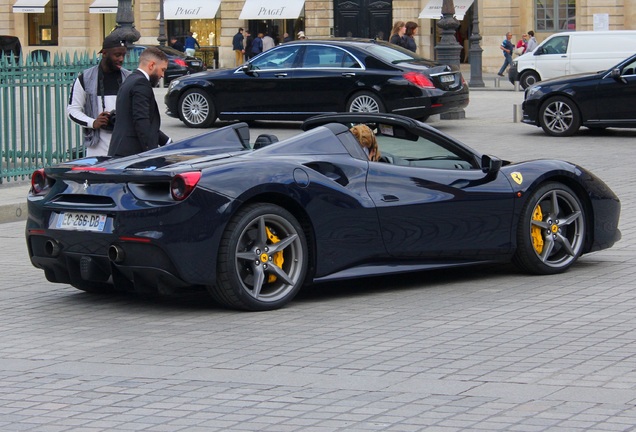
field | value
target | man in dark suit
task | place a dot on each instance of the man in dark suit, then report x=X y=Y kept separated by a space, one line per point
x=137 y=128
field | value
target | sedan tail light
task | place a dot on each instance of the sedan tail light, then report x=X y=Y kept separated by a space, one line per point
x=419 y=79
x=183 y=184
x=180 y=62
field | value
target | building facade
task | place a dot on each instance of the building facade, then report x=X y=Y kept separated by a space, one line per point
x=60 y=26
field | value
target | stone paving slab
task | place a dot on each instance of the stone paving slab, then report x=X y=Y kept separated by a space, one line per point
x=480 y=349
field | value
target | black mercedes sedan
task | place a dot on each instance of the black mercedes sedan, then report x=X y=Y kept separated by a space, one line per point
x=597 y=101
x=297 y=80
x=179 y=64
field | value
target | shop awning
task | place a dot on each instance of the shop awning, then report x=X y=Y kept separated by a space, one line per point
x=191 y=9
x=433 y=9
x=103 y=6
x=271 y=9
x=29 y=6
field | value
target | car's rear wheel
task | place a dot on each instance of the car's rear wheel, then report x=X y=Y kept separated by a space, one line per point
x=365 y=102
x=196 y=109
x=262 y=259
x=551 y=233
x=559 y=116
x=528 y=78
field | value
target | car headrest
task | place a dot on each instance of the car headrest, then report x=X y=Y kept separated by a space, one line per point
x=264 y=140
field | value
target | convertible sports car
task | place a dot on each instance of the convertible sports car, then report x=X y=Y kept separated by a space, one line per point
x=255 y=223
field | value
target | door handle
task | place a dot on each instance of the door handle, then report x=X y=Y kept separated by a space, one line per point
x=389 y=198
x=280 y=75
x=348 y=74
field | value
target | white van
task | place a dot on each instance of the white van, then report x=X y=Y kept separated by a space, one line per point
x=571 y=53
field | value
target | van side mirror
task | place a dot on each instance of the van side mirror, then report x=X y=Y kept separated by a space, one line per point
x=539 y=51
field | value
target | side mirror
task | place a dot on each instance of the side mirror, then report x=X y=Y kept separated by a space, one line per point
x=247 y=69
x=490 y=165
x=616 y=74
x=538 y=51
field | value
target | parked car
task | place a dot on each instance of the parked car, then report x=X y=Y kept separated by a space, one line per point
x=296 y=80
x=179 y=64
x=254 y=224
x=598 y=100
x=572 y=53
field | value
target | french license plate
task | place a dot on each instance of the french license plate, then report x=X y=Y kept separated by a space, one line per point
x=81 y=221
x=195 y=64
x=447 y=78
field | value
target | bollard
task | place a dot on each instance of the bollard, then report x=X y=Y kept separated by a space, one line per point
x=517 y=87
x=497 y=82
x=517 y=113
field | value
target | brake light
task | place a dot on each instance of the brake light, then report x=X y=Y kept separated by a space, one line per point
x=419 y=79
x=39 y=181
x=180 y=62
x=183 y=184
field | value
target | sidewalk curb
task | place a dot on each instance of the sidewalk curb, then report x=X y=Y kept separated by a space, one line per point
x=14 y=212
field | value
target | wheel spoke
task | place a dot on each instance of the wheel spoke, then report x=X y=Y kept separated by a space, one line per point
x=573 y=217
x=554 y=199
x=262 y=232
x=259 y=278
x=279 y=272
x=566 y=244
x=248 y=256
x=277 y=247
x=540 y=224
x=547 y=248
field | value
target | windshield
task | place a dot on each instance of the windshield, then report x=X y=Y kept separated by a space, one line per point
x=395 y=54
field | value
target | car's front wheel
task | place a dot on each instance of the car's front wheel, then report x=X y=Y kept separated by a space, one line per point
x=528 y=78
x=262 y=259
x=365 y=102
x=559 y=117
x=551 y=233
x=196 y=109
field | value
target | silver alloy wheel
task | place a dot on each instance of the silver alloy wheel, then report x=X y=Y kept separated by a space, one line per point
x=364 y=103
x=557 y=228
x=558 y=117
x=195 y=108
x=269 y=258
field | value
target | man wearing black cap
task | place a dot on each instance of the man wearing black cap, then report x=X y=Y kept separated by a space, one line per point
x=94 y=94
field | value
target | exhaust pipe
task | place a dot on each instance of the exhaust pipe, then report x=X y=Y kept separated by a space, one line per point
x=52 y=248
x=116 y=254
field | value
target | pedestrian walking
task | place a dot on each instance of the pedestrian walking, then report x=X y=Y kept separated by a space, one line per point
x=257 y=45
x=174 y=43
x=138 y=126
x=409 y=36
x=397 y=34
x=522 y=44
x=191 y=44
x=506 y=47
x=268 y=42
x=94 y=94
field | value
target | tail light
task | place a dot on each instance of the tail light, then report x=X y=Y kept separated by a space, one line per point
x=419 y=79
x=183 y=184
x=39 y=181
x=180 y=62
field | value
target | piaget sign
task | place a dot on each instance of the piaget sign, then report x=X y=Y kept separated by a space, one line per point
x=188 y=11
x=271 y=9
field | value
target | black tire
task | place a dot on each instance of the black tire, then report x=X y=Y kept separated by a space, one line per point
x=365 y=101
x=196 y=109
x=262 y=259
x=559 y=117
x=528 y=78
x=551 y=233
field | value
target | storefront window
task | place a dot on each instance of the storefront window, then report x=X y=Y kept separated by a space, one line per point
x=110 y=22
x=43 y=28
x=555 y=15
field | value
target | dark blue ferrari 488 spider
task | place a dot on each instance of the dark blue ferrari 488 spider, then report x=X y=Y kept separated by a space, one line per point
x=254 y=223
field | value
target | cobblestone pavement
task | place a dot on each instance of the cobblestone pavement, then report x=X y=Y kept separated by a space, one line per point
x=483 y=349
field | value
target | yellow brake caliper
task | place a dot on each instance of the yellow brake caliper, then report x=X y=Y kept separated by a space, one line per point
x=277 y=258
x=535 y=231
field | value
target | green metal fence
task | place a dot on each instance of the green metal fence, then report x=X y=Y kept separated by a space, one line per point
x=34 y=92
